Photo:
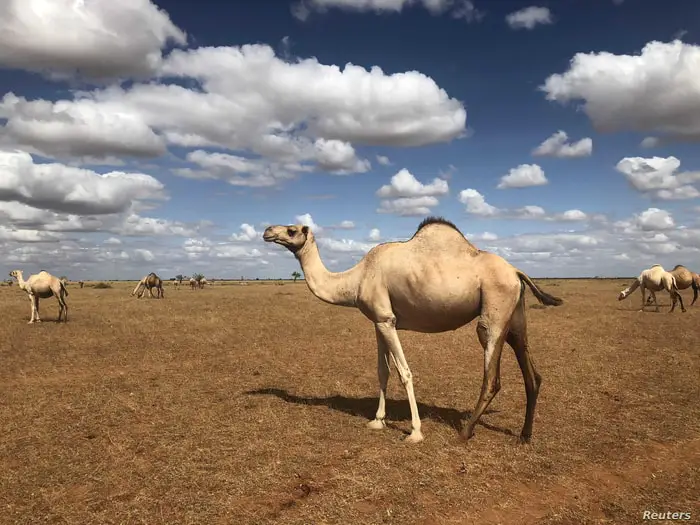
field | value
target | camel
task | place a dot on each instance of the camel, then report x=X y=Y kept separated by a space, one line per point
x=202 y=282
x=193 y=283
x=655 y=279
x=42 y=286
x=148 y=283
x=176 y=284
x=81 y=283
x=686 y=279
x=403 y=286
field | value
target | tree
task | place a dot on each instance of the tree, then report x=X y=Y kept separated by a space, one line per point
x=295 y=275
x=179 y=277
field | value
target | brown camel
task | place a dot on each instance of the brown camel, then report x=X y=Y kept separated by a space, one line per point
x=81 y=283
x=42 y=286
x=686 y=279
x=148 y=283
x=434 y=282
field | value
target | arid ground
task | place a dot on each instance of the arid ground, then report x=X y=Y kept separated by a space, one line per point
x=247 y=404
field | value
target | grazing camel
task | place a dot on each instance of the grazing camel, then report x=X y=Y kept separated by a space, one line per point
x=655 y=279
x=42 y=286
x=434 y=282
x=148 y=283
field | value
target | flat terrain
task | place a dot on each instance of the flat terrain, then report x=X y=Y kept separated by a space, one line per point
x=247 y=404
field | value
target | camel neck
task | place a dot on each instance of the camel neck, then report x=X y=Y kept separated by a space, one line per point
x=335 y=288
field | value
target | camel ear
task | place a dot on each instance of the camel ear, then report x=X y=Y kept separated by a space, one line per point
x=305 y=230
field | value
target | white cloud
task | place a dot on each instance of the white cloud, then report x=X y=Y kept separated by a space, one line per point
x=556 y=146
x=649 y=142
x=656 y=176
x=374 y=234
x=112 y=240
x=408 y=206
x=524 y=176
x=248 y=233
x=655 y=219
x=98 y=38
x=338 y=157
x=345 y=225
x=384 y=161
x=405 y=195
x=73 y=190
x=458 y=9
x=529 y=17
x=655 y=91
x=404 y=184
x=476 y=203
x=307 y=220
x=345 y=245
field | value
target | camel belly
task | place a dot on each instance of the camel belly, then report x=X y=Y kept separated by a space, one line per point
x=436 y=313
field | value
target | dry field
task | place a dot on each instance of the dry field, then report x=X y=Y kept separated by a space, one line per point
x=248 y=404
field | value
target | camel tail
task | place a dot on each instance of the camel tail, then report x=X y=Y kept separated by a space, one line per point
x=542 y=297
x=65 y=289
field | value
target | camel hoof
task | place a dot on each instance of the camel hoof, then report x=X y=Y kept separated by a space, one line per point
x=524 y=439
x=414 y=437
x=466 y=435
x=376 y=424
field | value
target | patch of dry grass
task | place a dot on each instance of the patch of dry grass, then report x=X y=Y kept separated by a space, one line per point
x=247 y=404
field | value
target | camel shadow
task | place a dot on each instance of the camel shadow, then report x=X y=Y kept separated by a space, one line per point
x=397 y=410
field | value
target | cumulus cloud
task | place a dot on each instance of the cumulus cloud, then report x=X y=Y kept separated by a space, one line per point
x=556 y=146
x=406 y=195
x=374 y=234
x=384 y=161
x=657 y=177
x=475 y=203
x=97 y=38
x=649 y=142
x=71 y=190
x=654 y=91
x=458 y=9
x=529 y=17
x=523 y=176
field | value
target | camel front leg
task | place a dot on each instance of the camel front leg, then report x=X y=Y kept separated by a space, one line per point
x=491 y=338
x=35 y=309
x=642 y=289
x=383 y=374
x=387 y=331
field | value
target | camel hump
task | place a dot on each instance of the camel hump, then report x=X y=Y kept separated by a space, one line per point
x=678 y=266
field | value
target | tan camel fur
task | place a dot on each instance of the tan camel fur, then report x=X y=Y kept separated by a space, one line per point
x=202 y=282
x=42 y=286
x=434 y=282
x=150 y=282
x=686 y=279
x=655 y=279
x=193 y=283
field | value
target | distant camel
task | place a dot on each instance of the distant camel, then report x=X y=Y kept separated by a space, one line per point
x=202 y=282
x=655 y=279
x=42 y=286
x=176 y=284
x=81 y=283
x=193 y=283
x=436 y=281
x=148 y=283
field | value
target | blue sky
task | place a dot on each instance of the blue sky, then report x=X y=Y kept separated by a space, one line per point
x=164 y=136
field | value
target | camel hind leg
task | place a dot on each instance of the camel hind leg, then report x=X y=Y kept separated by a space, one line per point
x=517 y=339
x=492 y=329
x=675 y=298
x=62 y=307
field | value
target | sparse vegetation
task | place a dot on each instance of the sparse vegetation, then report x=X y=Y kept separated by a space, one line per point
x=249 y=419
x=102 y=285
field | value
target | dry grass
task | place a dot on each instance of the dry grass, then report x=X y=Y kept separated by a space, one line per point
x=247 y=404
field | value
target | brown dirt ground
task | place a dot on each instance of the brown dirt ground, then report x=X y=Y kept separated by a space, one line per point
x=247 y=404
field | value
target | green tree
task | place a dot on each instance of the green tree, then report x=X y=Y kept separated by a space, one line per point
x=295 y=275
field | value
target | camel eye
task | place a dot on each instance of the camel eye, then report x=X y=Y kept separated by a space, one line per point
x=291 y=232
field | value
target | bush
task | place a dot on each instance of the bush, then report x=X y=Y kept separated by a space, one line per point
x=102 y=285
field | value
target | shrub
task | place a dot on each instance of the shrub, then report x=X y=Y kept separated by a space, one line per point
x=102 y=285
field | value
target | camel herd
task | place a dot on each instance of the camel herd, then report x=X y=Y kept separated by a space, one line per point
x=402 y=286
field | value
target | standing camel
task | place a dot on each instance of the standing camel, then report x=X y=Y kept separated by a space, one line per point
x=81 y=283
x=42 y=286
x=686 y=279
x=202 y=282
x=193 y=283
x=148 y=283
x=434 y=282
x=655 y=279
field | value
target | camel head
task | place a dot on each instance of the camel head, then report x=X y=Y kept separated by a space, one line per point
x=624 y=293
x=15 y=273
x=293 y=236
